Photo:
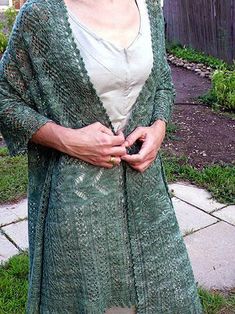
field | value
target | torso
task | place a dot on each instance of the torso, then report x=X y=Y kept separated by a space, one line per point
x=118 y=74
x=109 y=19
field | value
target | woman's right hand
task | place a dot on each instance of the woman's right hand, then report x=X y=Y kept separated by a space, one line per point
x=95 y=144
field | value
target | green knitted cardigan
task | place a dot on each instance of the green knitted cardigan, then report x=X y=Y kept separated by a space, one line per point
x=98 y=237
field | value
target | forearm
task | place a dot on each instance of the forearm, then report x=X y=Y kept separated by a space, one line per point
x=52 y=135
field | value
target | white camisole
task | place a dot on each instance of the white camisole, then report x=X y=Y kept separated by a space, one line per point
x=117 y=74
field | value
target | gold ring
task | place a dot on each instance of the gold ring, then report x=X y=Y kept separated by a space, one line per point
x=112 y=160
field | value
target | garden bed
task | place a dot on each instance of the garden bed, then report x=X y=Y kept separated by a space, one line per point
x=204 y=136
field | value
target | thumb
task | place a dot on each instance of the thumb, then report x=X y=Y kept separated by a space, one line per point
x=136 y=134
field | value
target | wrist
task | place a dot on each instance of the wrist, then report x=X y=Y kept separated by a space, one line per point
x=63 y=137
x=159 y=131
x=159 y=124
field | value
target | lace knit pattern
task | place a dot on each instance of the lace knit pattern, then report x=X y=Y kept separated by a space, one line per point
x=98 y=237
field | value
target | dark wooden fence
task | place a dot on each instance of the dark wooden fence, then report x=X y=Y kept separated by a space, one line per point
x=206 y=25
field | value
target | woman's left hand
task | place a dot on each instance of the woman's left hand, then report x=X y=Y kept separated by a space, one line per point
x=152 y=138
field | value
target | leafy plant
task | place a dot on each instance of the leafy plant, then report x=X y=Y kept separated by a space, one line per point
x=3 y=41
x=192 y=55
x=10 y=15
x=6 y=25
x=223 y=87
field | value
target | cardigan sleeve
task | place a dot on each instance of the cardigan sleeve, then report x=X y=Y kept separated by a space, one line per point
x=19 y=117
x=165 y=90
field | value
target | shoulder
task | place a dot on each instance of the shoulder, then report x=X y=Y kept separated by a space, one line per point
x=32 y=14
x=33 y=20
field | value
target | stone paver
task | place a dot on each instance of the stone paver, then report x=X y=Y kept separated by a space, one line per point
x=191 y=218
x=212 y=253
x=18 y=232
x=7 y=249
x=227 y=214
x=195 y=196
x=13 y=212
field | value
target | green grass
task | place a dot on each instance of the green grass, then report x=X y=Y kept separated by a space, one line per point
x=210 y=100
x=14 y=285
x=217 y=179
x=193 y=55
x=172 y=128
x=217 y=303
x=13 y=179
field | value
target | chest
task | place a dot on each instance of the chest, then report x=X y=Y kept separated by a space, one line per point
x=118 y=75
x=117 y=21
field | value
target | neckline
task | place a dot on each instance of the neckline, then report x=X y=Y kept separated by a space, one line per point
x=150 y=7
x=100 y=38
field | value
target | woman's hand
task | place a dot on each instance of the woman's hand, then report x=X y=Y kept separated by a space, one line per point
x=95 y=144
x=152 y=138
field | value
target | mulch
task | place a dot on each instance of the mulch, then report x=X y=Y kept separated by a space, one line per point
x=202 y=135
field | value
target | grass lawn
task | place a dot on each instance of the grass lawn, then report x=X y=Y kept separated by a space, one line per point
x=13 y=179
x=14 y=285
x=217 y=179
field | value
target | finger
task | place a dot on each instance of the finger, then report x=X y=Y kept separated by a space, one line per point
x=136 y=134
x=106 y=130
x=118 y=140
x=132 y=159
x=143 y=166
x=142 y=155
x=117 y=151
x=116 y=160
x=104 y=164
x=120 y=132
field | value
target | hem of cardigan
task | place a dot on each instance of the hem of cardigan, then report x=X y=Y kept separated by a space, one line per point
x=195 y=308
x=48 y=309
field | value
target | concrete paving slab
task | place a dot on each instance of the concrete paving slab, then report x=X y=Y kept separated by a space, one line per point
x=191 y=218
x=227 y=214
x=13 y=212
x=18 y=232
x=7 y=249
x=212 y=254
x=195 y=196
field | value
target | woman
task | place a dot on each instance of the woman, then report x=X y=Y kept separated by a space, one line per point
x=86 y=92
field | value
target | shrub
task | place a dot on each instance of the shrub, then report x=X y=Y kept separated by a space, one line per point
x=3 y=39
x=223 y=88
x=6 y=25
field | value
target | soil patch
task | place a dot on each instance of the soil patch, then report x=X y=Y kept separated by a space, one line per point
x=204 y=136
x=188 y=84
